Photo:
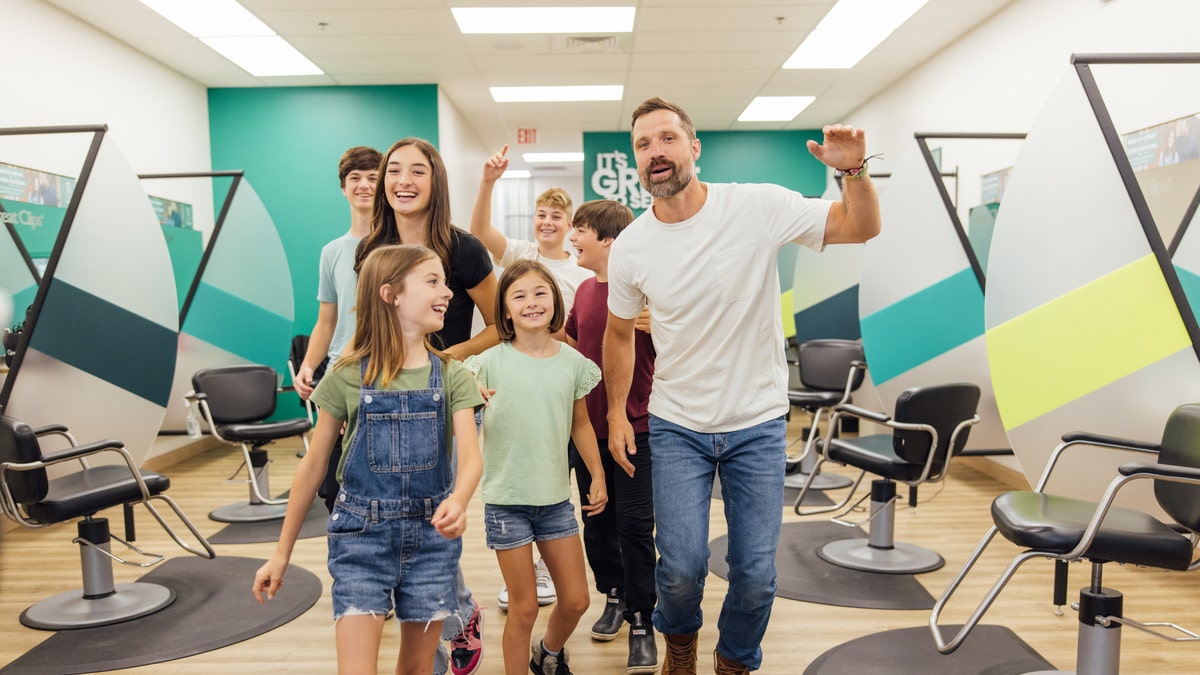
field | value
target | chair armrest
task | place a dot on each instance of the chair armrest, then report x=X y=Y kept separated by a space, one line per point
x=196 y=396
x=77 y=451
x=1074 y=438
x=80 y=452
x=50 y=429
x=856 y=411
x=1184 y=474
x=1108 y=441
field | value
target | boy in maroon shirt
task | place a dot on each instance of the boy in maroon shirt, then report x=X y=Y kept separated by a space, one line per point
x=619 y=542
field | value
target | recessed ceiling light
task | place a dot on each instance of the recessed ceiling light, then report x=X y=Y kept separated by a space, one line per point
x=775 y=108
x=544 y=19
x=850 y=31
x=546 y=157
x=557 y=93
x=233 y=32
x=516 y=173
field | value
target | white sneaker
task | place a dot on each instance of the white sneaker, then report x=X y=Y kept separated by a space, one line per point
x=545 y=585
x=545 y=588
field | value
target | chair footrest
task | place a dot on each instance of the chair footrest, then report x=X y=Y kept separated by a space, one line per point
x=1148 y=627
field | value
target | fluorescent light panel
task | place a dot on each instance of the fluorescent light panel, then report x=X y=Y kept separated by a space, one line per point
x=516 y=173
x=775 y=108
x=544 y=19
x=549 y=157
x=233 y=32
x=850 y=31
x=211 y=18
x=263 y=56
x=563 y=93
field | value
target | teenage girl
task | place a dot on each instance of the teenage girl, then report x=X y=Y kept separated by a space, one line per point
x=539 y=384
x=395 y=527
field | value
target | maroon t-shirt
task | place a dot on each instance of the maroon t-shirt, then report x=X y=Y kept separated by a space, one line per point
x=585 y=324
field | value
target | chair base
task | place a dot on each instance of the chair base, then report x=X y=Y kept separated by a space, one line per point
x=858 y=554
x=70 y=610
x=821 y=481
x=245 y=512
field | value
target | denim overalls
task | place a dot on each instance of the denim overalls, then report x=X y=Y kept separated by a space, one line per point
x=383 y=551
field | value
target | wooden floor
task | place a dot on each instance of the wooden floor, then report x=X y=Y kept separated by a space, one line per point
x=38 y=563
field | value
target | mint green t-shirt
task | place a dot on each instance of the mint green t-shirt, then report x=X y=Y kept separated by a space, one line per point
x=339 y=390
x=527 y=422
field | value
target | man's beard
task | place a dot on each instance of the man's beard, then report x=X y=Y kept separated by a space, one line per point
x=679 y=179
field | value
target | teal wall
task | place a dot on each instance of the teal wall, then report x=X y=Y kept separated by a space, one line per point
x=288 y=141
x=779 y=157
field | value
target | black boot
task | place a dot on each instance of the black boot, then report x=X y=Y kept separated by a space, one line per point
x=609 y=623
x=643 y=652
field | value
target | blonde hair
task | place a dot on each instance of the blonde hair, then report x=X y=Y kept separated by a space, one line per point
x=504 y=324
x=555 y=198
x=377 y=332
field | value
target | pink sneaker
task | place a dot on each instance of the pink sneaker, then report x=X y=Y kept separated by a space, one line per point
x=466 y=648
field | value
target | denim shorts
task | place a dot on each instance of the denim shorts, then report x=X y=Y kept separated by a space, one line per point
x=390 y=562
x=512 y=526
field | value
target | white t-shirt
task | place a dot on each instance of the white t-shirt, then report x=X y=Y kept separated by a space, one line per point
x=338 y=284
x=713 y=288
x=566 y=271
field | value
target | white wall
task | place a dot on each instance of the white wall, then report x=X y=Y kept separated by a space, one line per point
x=65 y=72
x=464 y=155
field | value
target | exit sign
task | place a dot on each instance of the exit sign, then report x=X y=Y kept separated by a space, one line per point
x=526 y=136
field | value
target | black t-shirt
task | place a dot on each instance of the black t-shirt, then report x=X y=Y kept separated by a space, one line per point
x=470 y=264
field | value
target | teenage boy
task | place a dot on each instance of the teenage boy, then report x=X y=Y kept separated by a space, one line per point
x=620 y=540
x=358 y=171
x=551 y=221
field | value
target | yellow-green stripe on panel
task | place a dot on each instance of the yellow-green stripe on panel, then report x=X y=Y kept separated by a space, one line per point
x=787 y=302
x=1084 y=340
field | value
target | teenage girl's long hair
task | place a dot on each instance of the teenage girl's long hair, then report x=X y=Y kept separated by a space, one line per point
x=383 y=222
x=377 y=331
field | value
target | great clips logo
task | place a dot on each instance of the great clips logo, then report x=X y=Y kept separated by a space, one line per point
x=614 y=178
x=23 y=217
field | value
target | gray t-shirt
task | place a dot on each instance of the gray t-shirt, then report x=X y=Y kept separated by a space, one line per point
x=338 y=285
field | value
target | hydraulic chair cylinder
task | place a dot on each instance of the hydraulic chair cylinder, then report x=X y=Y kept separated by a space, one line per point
x=259 y=475
x=97 y=567
x=882 y=531
x=1099 y=647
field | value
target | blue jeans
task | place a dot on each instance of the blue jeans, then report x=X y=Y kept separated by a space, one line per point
x=750 y=464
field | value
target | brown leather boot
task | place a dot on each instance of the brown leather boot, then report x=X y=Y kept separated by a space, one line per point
x=681 y=654
x=724 y=666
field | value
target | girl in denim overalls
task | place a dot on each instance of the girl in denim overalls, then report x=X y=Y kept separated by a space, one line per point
x=394 y=531
x=537 y=407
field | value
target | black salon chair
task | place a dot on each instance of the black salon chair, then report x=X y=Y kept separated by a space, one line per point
x=930 y=426
x=235 y=401
x=830 y=372
x=29 y=497
x=1065 y=529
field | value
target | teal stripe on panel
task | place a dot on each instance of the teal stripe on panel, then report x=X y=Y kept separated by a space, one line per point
x=110 y=342
x=833 y=317
x=1191 y=287
x=923 y=326
x=240 y=327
